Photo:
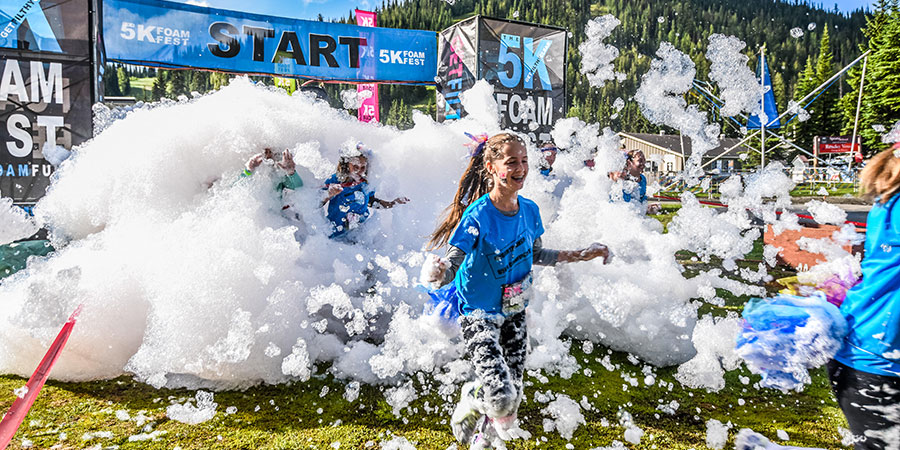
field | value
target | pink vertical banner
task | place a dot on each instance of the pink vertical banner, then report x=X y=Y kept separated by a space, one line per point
x=368 y=111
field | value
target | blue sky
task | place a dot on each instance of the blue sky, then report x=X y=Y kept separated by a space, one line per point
x=310 y=9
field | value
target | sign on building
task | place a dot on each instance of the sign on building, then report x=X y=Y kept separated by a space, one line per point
x=835 y=144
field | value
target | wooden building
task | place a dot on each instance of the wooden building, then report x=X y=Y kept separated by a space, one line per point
x=666 y=153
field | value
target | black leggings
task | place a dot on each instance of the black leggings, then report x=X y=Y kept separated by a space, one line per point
x=871 y=404
x=497 y=348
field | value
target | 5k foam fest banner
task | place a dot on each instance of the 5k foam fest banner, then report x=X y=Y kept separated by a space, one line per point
x=45 y=91
x=170 y=34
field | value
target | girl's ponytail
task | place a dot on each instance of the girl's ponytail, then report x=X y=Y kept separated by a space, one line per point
x=474 y=183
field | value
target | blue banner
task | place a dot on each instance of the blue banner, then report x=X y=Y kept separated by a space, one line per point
x=769 y=107
x=166 y=34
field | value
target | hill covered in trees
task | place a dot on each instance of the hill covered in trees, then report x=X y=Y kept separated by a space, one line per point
x=805 y=45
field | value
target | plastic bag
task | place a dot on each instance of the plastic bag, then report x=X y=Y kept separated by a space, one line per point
x=834 y=287
x=444 y=303
x=784 y=336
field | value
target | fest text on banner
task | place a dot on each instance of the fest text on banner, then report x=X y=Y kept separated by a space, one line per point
x=167 y=34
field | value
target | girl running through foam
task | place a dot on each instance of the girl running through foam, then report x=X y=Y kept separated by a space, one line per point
x=494 y=238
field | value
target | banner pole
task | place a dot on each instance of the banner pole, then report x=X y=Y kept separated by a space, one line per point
x=862 y=80
x=20 y=407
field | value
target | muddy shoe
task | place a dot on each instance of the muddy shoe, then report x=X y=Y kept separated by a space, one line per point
x=465 y=419
x=487 y=437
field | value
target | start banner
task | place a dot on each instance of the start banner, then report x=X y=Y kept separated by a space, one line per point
x=167 y=34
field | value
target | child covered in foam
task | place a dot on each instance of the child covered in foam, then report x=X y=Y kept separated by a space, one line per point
x=494 y=238
x=348 y=194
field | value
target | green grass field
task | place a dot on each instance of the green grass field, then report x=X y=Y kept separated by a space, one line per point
x=124 y=414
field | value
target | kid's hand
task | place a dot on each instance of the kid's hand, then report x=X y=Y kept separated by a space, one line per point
x=433 y=269
x=400 y=201
x=334 y=189
x=255 y=161
x=287 y=162
x=595 y=250
x=653 y=208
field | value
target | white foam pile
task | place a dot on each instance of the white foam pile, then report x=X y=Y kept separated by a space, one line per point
x=191 y=276
x=564 y=416
x=15 y=223
x=193 y=411
x=596 y=56
x=716 y=434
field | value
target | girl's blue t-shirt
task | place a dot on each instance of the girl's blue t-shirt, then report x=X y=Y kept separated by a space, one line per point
x=352 y=201
x=498 y=251
x=872 y=308
x=640 y=195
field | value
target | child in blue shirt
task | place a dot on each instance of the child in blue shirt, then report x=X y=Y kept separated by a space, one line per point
x=636 y=190
x=495 y=238
x=865 y=373
x=348 y=194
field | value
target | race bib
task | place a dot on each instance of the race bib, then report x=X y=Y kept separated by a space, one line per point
x=515 y=296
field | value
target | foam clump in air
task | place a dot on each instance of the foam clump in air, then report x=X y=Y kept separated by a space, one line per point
x=596 y=56
x=661 y=99
x=198 y=410
x=826 y=213
x=738 y=86
x=565 y=416
x=15 y=223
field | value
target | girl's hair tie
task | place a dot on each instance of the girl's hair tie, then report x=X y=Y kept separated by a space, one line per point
x=476 y=146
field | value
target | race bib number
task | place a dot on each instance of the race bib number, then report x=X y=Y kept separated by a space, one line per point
x=515 y=296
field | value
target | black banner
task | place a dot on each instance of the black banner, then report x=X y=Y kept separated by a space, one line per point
x=526 y=64
x=457 y=48
x=45 y=91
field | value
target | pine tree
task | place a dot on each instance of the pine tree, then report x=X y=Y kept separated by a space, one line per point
x=827 y=117
x=803 y=131
x=884 y=100
x=111 y=82
x=124 y=81
x=159 y=85
x=177 y=84
x=881 y=89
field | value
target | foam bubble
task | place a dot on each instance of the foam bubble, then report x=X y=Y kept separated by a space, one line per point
x=596 y=56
